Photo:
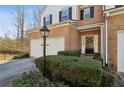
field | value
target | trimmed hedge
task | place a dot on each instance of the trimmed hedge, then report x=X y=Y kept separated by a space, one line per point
x=70 y=53
x=97 y=56
x=34 y=79
x=107 y=79
x=75 y=71
x=22 y=55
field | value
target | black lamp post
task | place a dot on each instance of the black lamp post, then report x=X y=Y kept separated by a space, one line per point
x=44 y=31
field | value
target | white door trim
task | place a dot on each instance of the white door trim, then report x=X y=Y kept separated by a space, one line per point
x=84 y=42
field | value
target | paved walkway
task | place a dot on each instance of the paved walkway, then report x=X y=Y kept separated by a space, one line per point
x=12 y=69
x=120 y=80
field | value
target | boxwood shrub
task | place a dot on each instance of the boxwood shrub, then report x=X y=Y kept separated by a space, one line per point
x=70 y=53
x=33 y=79
x=75 y=71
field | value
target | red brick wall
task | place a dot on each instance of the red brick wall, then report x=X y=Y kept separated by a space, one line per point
x=115 y=23
x=97 y=15
x=69 y=32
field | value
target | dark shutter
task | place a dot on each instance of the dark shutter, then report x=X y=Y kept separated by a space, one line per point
x=60 y=16
x=43 y=20
x=50 y=19
x=81 y=14
x=92 y=11
x=70 y=13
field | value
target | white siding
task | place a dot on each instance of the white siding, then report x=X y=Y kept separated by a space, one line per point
x=54 y=10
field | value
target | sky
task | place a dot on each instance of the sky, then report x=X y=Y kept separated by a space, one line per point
x=6 y=19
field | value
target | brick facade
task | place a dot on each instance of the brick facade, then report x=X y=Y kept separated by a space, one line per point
x=115 y=23
x=97 y=15
x=68 y=32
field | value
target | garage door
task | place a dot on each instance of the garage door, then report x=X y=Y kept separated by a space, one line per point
x=53 y=46
x=120 y=51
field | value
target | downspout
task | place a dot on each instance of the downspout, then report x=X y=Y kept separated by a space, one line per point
x=106 y=31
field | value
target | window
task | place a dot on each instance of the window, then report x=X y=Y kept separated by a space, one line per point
x=87 y=13
x=65 y=14
x=48 y=20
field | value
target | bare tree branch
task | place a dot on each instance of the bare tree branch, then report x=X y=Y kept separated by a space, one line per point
x=37 y=16
x=19 y=16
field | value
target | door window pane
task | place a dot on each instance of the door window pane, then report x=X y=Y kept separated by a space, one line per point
x=90 y=44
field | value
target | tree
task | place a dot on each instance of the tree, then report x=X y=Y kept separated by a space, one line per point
x=37 y=16
x=19 y=22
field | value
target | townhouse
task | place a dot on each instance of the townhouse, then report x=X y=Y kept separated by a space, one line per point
x=89 y=28
x=115 y=37
x=63 y=34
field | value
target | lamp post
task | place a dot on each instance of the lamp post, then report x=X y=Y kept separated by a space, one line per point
x=44 y=31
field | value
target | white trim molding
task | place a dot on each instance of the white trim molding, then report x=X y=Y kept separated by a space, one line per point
x=65 y=23
x=114 y=11
x=102 y=53
x=89 y=26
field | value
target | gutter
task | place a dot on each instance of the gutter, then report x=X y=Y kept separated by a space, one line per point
x=60 y=24
x=113 y=10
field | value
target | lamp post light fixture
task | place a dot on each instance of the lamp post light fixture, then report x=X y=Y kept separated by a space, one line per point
x=44 y=31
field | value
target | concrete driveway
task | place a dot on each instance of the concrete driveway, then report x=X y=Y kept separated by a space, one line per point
x=13 y=69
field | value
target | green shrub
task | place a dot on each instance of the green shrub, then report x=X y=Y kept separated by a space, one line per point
x=108 y=80
x=22 y=55
x=97 y=56
x=34 y=79
x=70 y=53
x=76 y=71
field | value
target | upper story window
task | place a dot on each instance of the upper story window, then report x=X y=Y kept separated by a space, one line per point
x=87 y=13
x=65 y=14
x=47 y=20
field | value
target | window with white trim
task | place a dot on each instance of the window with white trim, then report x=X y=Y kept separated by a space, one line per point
x=47 y=20
x=65 y=14
x=86 y=13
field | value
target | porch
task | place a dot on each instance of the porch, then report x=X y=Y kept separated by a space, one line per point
x=91 y=40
